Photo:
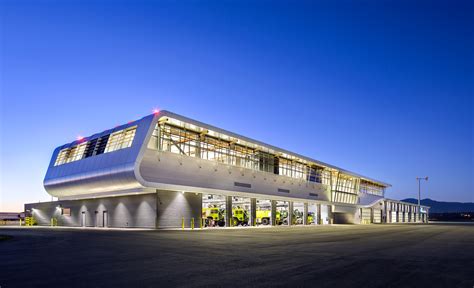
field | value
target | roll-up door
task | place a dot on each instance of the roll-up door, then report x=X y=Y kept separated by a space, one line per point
x=377 y=216
x=366 y=215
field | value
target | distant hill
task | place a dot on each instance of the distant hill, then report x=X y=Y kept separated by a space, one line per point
x=444 y=207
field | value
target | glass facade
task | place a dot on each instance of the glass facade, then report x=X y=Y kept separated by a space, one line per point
x=120 y=139
x=371 y=188
x=344 y=188
x=108 y=143
x=186 y=139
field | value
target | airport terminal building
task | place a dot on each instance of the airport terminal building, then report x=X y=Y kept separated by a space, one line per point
x=169 y=171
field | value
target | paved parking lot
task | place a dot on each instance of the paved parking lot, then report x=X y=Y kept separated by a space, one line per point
x=434 y=255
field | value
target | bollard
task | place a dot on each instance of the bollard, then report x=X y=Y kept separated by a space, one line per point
x=192 y=223
x=201 y=223
x=20 y=221
x=182 y=223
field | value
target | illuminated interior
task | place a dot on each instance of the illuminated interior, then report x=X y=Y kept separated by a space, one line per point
x=178 y=137
x=371 y=188
x=107 y=143
x=183 y=138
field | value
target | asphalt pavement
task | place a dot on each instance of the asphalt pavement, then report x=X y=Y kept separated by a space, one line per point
x=408 y=255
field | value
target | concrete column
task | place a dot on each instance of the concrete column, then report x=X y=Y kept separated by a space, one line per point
x=330 y=216
x=290 y=213
x=228 y=211
x=318 y=214
x=253 y=211
x=305 y=214
x=273 y=220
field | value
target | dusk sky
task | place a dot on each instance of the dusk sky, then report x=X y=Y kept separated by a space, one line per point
x=381 y=88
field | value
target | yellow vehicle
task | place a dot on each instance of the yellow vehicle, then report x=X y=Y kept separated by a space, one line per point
x=213 y=216
x=310 y=217
x=239 y=217
x=263 y=217
x=297 y=217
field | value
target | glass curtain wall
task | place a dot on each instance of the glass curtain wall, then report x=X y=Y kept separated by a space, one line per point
x=344 y=188
x=186 y=139
x=371 y=188
x=105 y=144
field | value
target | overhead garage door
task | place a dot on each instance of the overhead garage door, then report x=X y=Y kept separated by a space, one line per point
x=366 y=215
x=394 y=216
x=377 y=216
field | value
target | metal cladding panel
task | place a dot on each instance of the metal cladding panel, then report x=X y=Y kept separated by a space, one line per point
x=368 y=199
x=105 y=172
x=165 y=170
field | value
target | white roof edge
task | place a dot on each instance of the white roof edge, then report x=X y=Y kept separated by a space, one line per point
x=400 y=201
x=162 y=113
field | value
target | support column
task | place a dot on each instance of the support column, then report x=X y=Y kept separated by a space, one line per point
x=290 y=213
x=305 y=214
x=330 y=216
x=253 y=211
x=228 y=211
x=273 y=220
x=318 y=214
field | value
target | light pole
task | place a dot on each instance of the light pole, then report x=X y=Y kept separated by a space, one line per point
x=419 y=194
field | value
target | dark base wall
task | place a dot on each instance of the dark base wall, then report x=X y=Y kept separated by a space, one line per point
x=123 y=211
x=163 y=209
x=174 y=206
x=343 y=218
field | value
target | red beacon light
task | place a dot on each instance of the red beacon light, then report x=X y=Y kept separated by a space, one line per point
x=80 y=138
x=156 y=111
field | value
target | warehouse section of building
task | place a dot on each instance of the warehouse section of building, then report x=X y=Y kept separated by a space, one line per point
x=169 y=171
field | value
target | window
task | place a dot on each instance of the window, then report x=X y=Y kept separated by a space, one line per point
x=344 y=188
x=175 y=136
x=178 y=137
x=77 y=152
x=71 y=154
x=107 y=143
x=62 y=156
x=371 y=188
x=66 y=211
x=342 y=197
x=120 y=139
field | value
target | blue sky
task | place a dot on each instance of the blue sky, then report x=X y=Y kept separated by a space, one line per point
x=382 y=88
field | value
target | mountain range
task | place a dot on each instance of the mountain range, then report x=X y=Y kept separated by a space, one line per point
x=443 y=207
